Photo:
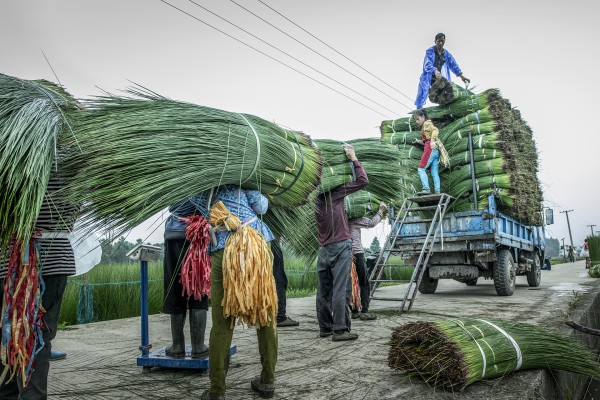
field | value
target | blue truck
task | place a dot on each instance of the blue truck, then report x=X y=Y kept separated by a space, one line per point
x=476 y=244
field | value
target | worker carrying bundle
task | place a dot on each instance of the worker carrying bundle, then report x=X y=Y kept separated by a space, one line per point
x=242 y=286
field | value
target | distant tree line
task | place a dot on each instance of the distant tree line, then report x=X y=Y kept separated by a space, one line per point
x=114 y=251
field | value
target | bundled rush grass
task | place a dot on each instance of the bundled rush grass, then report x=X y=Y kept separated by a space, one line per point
x=143 y=153
x=455 y=353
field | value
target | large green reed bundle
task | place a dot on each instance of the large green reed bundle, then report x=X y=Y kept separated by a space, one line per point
x=379 y=160
x=484 y=168
x=462 y=107
x=443 y=91
x=453 y=354
x=399 y=125
x=32 y=123
x=594 y=271
x=143 y=153
x=361 y=204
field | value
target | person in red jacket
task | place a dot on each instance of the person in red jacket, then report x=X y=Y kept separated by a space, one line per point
x=335 y=256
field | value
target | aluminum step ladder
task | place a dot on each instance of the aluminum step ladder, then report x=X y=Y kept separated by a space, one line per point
x=433 y=202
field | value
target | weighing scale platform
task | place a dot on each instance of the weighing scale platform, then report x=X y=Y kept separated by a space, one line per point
x=158 y=358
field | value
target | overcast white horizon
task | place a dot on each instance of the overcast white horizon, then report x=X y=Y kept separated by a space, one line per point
x=541 y=58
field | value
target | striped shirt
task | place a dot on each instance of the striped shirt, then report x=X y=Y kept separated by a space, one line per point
x=55 y=222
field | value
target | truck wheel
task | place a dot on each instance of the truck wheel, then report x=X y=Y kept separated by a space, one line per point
x=534 y=276
x=504 y=274
x=472 y=282
x=428 y=285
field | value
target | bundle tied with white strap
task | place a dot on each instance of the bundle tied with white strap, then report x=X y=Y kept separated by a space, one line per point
x=248 y=282
x=455 y=353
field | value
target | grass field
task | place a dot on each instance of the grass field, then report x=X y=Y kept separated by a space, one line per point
x=112 y=291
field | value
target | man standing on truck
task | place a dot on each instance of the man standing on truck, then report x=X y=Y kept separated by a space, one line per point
x=438 y=62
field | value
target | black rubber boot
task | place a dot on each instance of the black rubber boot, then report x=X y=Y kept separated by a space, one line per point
x=197 y=330
x=177 y=348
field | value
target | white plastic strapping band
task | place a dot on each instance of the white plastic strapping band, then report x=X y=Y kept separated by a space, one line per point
x=462 y=326
x=514 y=343
x=257 y=149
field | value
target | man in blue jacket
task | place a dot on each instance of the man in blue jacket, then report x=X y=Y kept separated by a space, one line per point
x=438 y=62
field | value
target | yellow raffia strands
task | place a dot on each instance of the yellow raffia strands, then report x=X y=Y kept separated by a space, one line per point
x=248 y=280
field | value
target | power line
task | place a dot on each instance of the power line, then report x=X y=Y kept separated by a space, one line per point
x=291 y=56
x=353 y=62
x=273 y=58
x=321 y=55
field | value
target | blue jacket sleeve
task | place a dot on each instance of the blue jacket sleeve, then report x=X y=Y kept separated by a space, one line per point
x=452 y=64
x=428 y=61
x=257 y=201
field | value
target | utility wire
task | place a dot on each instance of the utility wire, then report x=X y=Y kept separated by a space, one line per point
x=274 y=59
x=321 y=55
x=292 y=57
x=353 y=62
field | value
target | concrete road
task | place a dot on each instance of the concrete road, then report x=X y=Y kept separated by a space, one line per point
x=101 y=356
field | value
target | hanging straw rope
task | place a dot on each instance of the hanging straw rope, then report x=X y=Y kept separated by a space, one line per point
x=196 y=266
x=248 y=279
x=355 y=300
x=21 y=312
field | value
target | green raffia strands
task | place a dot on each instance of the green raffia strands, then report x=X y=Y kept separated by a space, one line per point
x=453 y=354
x=144 y=153
x=483 y=183
x=379 y=160
x=443 y=91
x=361 y=204
x=474 y=129
x=462 y=107
x=32 y=122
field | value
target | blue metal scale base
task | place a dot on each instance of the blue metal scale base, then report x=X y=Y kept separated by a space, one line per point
x=158 y=358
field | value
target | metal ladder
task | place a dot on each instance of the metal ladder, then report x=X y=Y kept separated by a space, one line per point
x=437 y=202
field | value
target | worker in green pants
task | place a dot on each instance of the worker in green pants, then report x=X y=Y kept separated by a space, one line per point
x=222 y=332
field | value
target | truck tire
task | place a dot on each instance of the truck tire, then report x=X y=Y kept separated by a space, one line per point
x=428 y=285
x=505 y=274
x=472 y=282
x=534 y=276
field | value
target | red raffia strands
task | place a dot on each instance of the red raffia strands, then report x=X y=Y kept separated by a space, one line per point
x=355 y=300
x=21 y=312
x=196 y=266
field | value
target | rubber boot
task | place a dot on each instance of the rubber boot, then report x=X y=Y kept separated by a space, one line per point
x=177 y=348
x=197 y=330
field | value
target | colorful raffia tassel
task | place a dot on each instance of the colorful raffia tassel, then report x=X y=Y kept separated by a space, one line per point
x=21 y=312
x=196 y=266
x=355 y=300
x=248 y=280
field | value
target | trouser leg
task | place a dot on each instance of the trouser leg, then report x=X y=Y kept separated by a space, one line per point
x=423 y=177
x=342 y=282
x=281 y=281
x=324 y=291
x=267 y=347
x=433 y=165
x=221 y=332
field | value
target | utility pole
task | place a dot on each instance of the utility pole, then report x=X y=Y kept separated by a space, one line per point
x=563 y=247
x=568 y=224
x=591 y=228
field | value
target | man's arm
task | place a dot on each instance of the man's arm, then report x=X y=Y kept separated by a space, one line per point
x=428 y=61
x=453 y=66
x=365 y=222
x=361 y=177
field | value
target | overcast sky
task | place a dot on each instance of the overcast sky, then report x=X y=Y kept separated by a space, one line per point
x=542 y=56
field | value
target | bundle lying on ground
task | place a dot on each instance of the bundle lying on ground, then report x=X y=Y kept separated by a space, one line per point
x=379 y=160
x=144 y=153
x=504 y=153
x=453 y=354
x=443 y=91
x=32 y=122
x=594 y=271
